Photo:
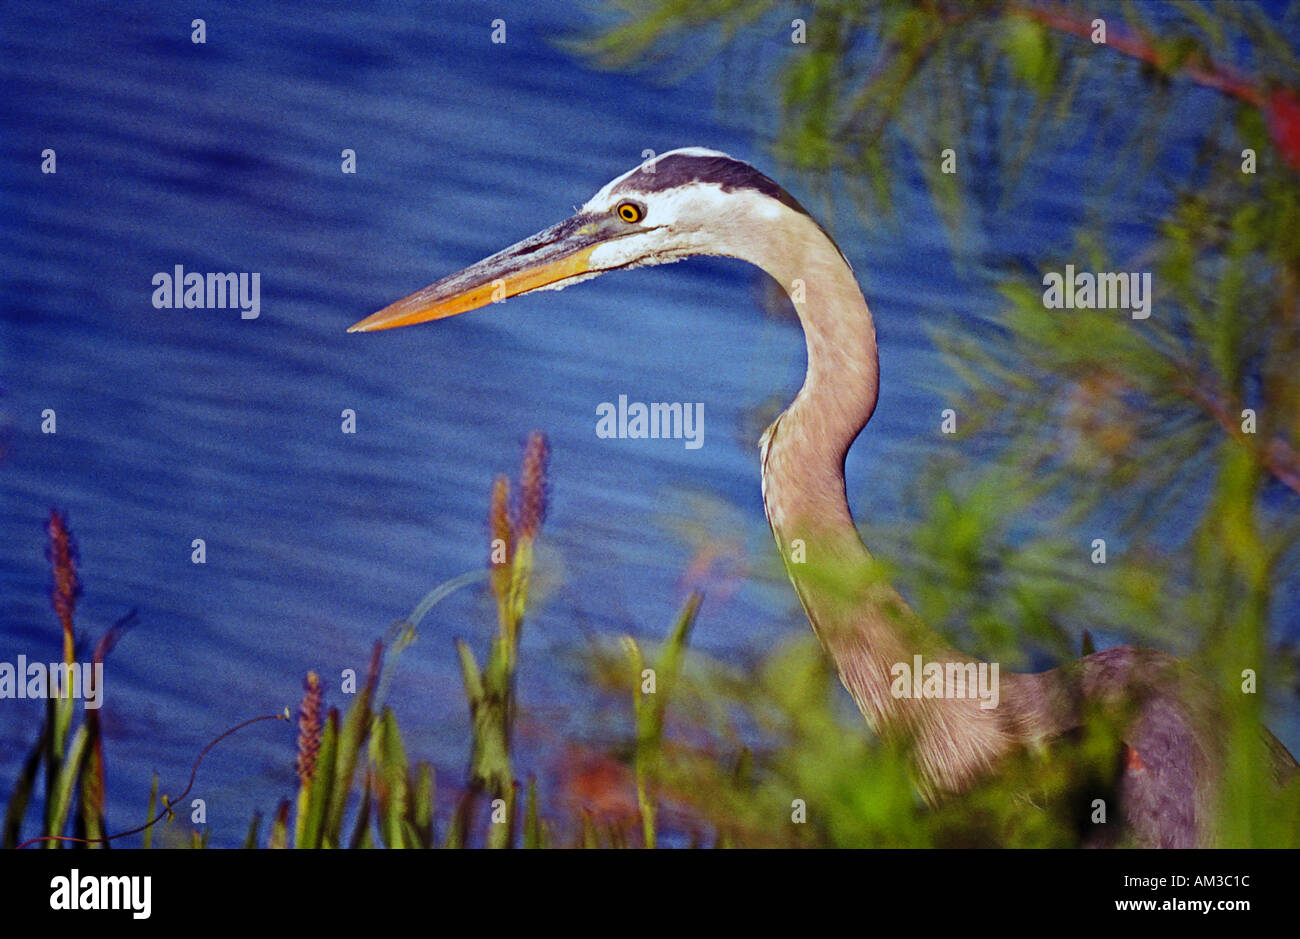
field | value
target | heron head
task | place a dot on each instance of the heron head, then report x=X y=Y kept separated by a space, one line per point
x=682 y=203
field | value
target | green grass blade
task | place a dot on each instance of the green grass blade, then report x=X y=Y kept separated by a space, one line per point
x=250 y=839
x=532 y=821
x=22 y=792
x=352 y=735
x=424 y=786
x=388 y=757
x=147 y=836
x=60 y=798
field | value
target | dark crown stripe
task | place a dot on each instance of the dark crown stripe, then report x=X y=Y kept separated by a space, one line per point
x=681 y=169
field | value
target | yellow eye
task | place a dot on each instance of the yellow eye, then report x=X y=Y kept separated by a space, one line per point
x=629 y=212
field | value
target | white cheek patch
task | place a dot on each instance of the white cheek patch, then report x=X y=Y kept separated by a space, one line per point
x=633 y=251
x=610 y=254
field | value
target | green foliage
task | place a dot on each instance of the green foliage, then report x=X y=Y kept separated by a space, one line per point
x=649 y=704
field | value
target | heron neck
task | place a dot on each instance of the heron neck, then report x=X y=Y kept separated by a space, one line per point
x=864 y=624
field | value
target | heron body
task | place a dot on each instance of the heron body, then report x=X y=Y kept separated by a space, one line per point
x=700 y=202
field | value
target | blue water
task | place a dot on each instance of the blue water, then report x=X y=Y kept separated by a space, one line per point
x=183 y=424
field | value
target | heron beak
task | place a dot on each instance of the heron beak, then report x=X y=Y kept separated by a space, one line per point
x=547 y=259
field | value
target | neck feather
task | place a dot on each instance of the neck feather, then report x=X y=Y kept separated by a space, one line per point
x=864 y=624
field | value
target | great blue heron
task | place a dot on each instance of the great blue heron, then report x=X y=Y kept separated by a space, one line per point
x=700 y=202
